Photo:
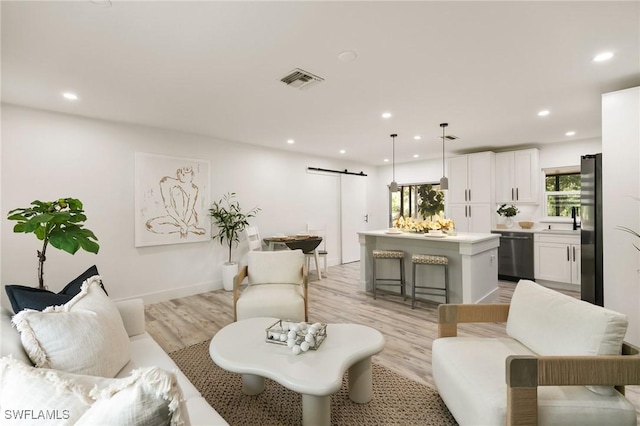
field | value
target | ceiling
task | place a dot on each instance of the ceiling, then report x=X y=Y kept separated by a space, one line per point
x=214 y=68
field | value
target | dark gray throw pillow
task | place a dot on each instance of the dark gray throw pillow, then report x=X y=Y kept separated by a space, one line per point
x=23 y=297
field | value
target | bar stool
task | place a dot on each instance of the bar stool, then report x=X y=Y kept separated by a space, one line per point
x=389 y=255
x=428 y=259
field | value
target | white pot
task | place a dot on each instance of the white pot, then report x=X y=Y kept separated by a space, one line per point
x=229 y=271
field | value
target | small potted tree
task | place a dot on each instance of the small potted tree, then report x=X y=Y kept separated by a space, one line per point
x=59 y=223
x=508 y=213
x=231 y=221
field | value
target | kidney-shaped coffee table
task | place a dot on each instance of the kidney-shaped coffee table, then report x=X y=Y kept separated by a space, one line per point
x=240 y=347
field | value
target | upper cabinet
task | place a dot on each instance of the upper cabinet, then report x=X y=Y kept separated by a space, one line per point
x=471 y=191
x=471 y=178
x=517 y=176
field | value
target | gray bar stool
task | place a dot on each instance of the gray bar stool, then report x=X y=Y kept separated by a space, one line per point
x=389 y=255
x=428 y=259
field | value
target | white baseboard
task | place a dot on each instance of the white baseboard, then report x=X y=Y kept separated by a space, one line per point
x=161 y=296
x=490 y=297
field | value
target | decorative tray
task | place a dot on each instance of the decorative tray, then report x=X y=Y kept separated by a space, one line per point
x=302 y=335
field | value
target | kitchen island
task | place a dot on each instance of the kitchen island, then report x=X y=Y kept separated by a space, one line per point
x=473 y=262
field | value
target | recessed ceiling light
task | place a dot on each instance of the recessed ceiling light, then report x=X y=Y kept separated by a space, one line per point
x=604 y=56
x=347 y=56
x=544 y=113
x=386 y=160
x=416 y=155
x=290 y=141
x=386 y=115
x=570 y=133
x=342 y=151
x=417 y=137
x=70 y=96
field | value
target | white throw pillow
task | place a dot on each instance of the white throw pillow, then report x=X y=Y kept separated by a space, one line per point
x=147 y=397
x=84 y=336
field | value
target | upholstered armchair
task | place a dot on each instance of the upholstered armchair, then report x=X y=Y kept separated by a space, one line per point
x=544 y=371
x=276 y=286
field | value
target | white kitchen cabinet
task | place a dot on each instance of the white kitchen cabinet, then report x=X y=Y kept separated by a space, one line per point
x=471 y=178
x=557 y=258
x=471 y=217
x=471 y=191
x=517 y=176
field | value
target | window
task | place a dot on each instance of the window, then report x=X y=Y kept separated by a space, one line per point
x=562 y=191
x=421 y=200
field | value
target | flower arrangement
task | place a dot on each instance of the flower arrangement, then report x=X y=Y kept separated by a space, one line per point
x=416 y=225
x=507 y=211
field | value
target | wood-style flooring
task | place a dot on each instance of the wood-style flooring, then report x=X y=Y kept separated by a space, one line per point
x=409 y=334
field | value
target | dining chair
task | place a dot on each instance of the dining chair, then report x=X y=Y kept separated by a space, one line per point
x=253 y=238
x=276 y=286
x=321 y=250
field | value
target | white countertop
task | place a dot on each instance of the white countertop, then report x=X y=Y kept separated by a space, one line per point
x=540 y=231
x=461 y=237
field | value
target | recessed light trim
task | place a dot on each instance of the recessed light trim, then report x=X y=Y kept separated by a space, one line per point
x=342 y=151
x=604 y=56
x=416 y=155
x=544 y=113
x=290 y=141
x=417 y=137
x=347 y=56
x=70 y=96
x=386 y=115
x=386 y=160
x=570 y=133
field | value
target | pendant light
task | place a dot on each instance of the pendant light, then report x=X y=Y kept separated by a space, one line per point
x=444 y=182
x=393 y=187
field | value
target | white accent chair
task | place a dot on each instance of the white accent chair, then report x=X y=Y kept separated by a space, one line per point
x=276 y=286
x=558 y=364
x=253 y=238
x=321 y=250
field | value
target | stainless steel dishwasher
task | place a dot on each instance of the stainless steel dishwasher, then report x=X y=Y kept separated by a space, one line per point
x=515 y=255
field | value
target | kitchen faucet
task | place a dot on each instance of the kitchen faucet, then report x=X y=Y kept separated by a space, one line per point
x=574 y=214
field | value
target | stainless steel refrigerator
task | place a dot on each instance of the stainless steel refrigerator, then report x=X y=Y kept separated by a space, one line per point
x=591 y=285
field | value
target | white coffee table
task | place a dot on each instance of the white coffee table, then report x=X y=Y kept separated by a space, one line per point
x=240 y=347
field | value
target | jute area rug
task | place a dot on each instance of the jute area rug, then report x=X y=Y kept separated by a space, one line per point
x=396 y=400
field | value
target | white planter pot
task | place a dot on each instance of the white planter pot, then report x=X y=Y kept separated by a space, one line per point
x=229 y=271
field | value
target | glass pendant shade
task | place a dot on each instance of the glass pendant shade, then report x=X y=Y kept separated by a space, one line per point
x=393 y=186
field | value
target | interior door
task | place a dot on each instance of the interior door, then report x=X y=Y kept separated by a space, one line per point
x=353 y=215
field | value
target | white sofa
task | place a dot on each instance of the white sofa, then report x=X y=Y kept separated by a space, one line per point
x=557 y=366
x=145 y=352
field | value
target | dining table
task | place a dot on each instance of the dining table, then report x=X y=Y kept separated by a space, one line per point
x=306 y=243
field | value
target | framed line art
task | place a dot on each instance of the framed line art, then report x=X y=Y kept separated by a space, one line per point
x=172 y=197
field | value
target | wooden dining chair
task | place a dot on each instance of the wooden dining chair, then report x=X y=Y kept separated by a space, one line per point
x=253 y=238
x=321 y=250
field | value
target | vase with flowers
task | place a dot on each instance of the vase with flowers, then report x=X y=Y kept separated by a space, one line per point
x=508 y=213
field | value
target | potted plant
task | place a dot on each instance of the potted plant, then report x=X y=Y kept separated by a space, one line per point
x=59 y=223
x=508 y=213
x=231 y=221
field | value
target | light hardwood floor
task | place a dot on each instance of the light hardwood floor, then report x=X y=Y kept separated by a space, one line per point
x=409 y=334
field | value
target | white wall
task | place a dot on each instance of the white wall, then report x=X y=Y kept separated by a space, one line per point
x=620 y=183
x=48 y=155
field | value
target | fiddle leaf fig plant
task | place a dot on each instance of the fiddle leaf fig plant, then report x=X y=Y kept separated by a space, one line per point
x=228 y=217
x=59 y=223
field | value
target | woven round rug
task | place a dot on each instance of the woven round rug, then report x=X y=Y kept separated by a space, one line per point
x=396 y=400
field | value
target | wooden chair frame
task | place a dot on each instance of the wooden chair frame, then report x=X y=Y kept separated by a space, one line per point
x=244 y=273
x=525 y=373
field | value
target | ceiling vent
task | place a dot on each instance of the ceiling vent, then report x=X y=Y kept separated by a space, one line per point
x=300 y=79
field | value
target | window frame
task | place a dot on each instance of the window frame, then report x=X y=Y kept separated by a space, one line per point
x=557 y=171
x=413 y=198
